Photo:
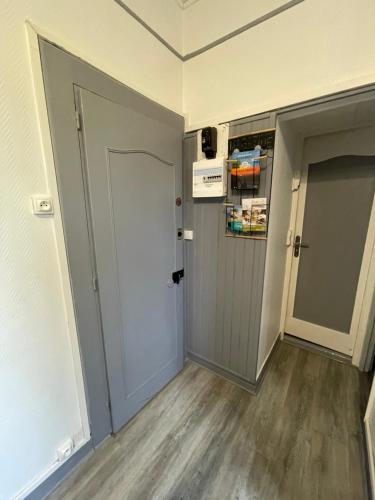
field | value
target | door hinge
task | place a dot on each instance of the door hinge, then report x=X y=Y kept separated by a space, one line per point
x=95 y=283
x=78 y=121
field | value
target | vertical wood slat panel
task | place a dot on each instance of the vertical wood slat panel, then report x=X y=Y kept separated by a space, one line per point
x=224 y=276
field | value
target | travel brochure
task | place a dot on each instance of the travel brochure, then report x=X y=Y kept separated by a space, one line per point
x=247 y=219
x=245 y=172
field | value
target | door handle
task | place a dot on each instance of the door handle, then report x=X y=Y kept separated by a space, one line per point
x=298 y=244
x=177 y=276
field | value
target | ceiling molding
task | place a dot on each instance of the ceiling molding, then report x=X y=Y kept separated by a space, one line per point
x=149 y=29
x=242 y=29
x=184 y=4
x=269 y=15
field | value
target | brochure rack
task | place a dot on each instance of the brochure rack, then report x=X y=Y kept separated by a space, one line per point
x=246 y=204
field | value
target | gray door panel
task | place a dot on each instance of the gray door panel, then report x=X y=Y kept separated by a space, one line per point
x=132 y=160
x=63 y=74
x=338 y=204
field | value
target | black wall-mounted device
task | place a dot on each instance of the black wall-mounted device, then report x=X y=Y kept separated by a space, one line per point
x=209 y=142
x=177 y=276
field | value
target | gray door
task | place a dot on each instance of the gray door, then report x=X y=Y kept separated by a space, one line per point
x=117 y=179
x=334 y=208
x=133 y=177
x=337 y=211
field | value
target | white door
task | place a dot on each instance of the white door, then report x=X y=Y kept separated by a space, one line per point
x=335 y=205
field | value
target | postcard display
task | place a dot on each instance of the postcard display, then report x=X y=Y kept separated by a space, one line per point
x=246 y=209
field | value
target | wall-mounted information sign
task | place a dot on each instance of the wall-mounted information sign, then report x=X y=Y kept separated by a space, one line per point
x=265 y=139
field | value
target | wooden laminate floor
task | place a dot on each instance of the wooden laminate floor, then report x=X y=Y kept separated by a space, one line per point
x=204 y=438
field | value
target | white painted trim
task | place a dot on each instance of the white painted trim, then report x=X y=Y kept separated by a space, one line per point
x=289 y=257
x=361 y=319
x=50 y=175
x=297 y=229
x=288 y=263
x=326 y=337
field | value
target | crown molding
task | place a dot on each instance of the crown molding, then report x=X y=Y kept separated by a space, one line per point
x=149 y=29
x=184 y=4
x=215 y=43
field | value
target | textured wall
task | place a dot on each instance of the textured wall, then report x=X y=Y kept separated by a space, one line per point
x=38 y=390
x=224 y=276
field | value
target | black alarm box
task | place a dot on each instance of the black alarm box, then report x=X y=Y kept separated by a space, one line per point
x=209 y=142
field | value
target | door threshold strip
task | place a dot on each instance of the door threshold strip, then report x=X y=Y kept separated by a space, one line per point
x=318 y=349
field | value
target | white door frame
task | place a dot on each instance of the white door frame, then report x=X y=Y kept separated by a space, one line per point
x=361 y=319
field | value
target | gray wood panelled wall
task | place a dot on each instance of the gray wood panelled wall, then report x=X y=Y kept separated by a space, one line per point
x=223 y=275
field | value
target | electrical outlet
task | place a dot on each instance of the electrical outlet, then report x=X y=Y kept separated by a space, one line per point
x=42 y=205
x=65 y=450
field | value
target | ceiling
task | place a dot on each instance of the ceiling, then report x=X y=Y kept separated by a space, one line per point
x=184 y=4
x=344 y=116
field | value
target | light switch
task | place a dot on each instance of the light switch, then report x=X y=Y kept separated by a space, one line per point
x=188 y=234
x=42 y=205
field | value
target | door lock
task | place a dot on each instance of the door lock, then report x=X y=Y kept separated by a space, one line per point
x=298 y=244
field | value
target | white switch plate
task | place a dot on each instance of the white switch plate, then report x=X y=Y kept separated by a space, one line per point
x=42 y=204
x=188 y=234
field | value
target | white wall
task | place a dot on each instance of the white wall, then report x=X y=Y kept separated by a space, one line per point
x=208 y=20
x=314 y=48
x=286 y=151
x=41 y=381
x=199 y=22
